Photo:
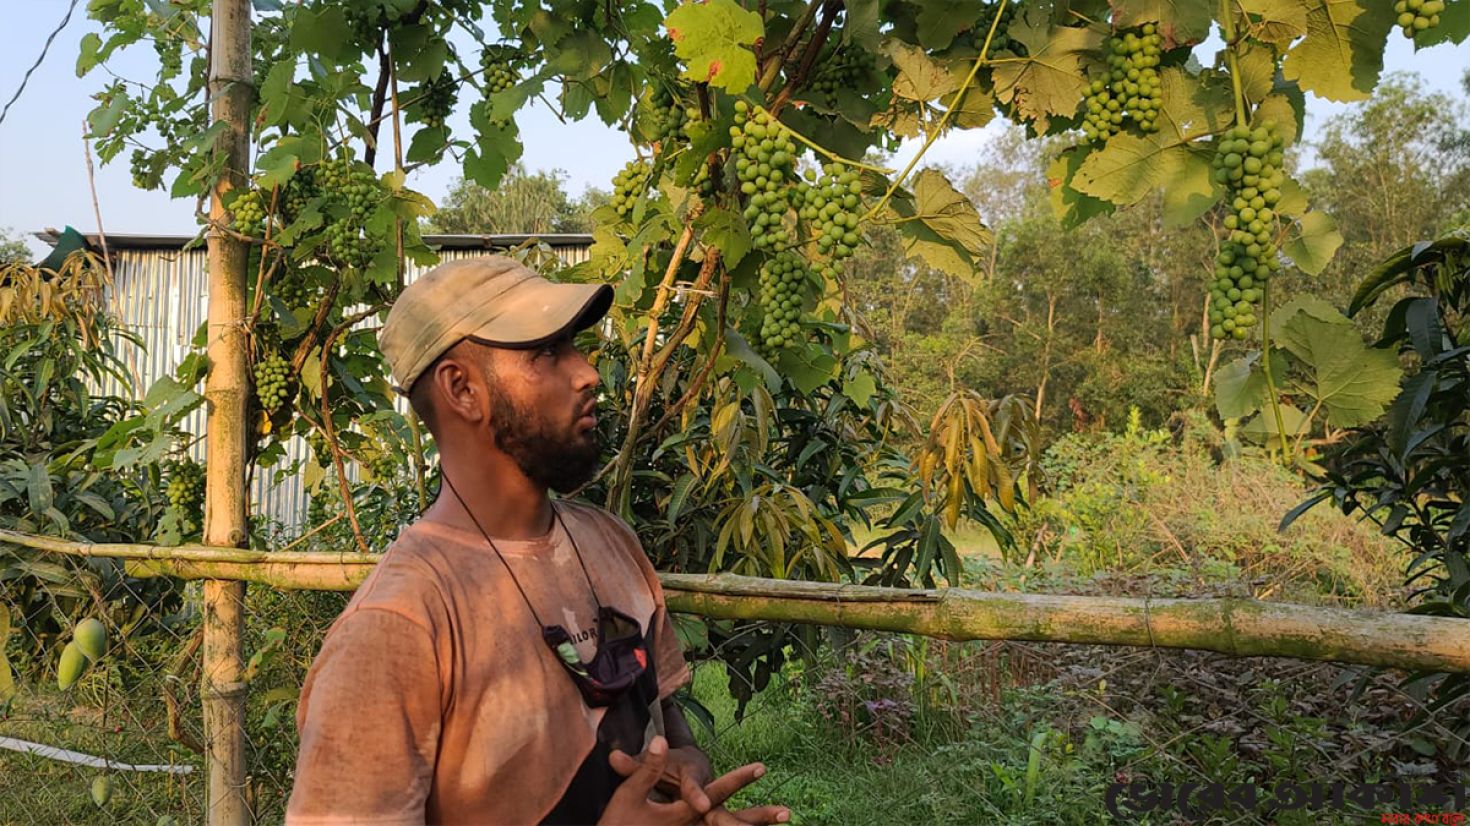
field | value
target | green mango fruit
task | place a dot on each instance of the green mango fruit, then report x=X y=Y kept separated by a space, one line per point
x=73 y=663
x=101 y=789
x=91 y=637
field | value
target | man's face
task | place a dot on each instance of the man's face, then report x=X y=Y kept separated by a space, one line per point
x=543 y=412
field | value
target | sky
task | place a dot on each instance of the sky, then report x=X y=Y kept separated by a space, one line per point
x=43 y=171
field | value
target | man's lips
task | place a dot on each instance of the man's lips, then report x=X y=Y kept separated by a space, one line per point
x=589 y=415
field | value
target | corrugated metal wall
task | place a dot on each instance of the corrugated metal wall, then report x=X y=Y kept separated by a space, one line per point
x=162 y=295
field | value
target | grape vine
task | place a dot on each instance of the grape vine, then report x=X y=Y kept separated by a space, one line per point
x=1130 y=91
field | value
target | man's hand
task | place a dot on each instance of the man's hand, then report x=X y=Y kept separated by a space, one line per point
x=630 y=804
x=689 y=770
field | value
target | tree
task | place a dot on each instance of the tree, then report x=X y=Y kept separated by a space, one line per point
x=12 y=250
x=522 y=203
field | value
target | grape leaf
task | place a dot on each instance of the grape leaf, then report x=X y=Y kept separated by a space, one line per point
x=498 y=147
x=919 y=77
x=976 y=106
x=1257 y=72
x=1309 y=304
x=808 y=367
x=714 y=39
x=1313 y=241
x=580 y=55
x=324 y=33
x=941 y=225
x=726 y=231
x=1262 y=427
x=1342 y=55
x=1275 y=21
x=1180 y=21
x=1284 y=107
x=1072 y=208
x=1051 y=80
x=1353 y=381
x=939 y=21
x=1130 y=166
x=861 y=28
x=860 y=388
x=1240 y=386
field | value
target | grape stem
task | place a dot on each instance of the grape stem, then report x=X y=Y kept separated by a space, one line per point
x=1266 y=368
x=831 y=155
x=938 y=130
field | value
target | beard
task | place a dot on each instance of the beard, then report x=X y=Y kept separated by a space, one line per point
x=562 y=462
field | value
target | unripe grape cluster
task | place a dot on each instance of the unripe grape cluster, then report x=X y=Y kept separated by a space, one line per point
x=841 y=70
x=500 y=72
x=977 y=33
x=272 y=376
x=629 y=185
x=783 y=282
x=765 y=164
x=185 y=491
x=298 y=194
x=1416 y=16
x=436 y=99
x=381 y=463
x=249 y=212
x=1248 y=162
x=1130 y=91
x=831 y=207
x=294 y=289
x=667 y=123
x=355 y=187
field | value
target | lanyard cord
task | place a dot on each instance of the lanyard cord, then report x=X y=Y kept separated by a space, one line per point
x=555 y=512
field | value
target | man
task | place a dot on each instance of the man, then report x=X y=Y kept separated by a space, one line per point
x=509 y=654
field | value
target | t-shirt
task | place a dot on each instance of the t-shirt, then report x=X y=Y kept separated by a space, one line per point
x=434 y=698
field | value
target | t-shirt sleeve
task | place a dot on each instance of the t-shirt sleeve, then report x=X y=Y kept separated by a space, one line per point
x=369 y=721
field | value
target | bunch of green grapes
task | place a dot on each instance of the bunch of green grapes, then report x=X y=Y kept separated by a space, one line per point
x=705 y=183
x=294 y=289
x=840 y=70
x=366 y=18
x=170 y=56
x=765 y=164
x=185 y=491
x=975 y=37
x=381 y=463
x=298 y=194
x=436 y=99
x=666 y=123
x=249 y=212
x=272 y=376
x=784 y=278
x=354 y=188
x=1416 y=16
x=1130 y=92
x=1249 y=163
x=629 y=185
x=500 y=71
x=831 y=207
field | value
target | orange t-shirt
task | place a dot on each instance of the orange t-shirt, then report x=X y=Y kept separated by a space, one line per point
x=434 y=698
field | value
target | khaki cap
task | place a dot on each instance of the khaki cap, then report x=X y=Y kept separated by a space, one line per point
x=493 y=299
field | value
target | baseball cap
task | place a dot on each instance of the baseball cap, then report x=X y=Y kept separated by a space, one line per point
x=493 y=299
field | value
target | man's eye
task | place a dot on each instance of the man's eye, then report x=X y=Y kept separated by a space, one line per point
x=550 y=350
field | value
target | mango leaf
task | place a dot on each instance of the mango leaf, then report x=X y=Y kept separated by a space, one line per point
x=1352 y=381
x=919 y=76
x=713 y=39
x=7 y=680
x=1180 y=21
x=1275 y=21
x=941 y=226
x=1342 y=55
x=1240 y=386
x=1312 y=243
x=1129 y=166
x=1051 y=80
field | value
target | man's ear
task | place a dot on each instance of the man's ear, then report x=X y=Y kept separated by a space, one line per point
x=458 y=388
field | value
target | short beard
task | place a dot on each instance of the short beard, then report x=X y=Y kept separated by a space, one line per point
x=561 y=464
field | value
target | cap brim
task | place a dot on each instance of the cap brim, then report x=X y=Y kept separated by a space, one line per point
x=542 y=315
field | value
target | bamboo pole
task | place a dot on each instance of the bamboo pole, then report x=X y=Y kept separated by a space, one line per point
x=1240 y=627
x=226 y=392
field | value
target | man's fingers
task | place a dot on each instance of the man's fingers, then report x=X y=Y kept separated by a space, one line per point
x=760 y=816
x=623 y=763
x=720 y=789
x=646 y=776
x=693 y=795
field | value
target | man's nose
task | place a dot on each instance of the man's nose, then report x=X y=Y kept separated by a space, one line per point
x=586 y=378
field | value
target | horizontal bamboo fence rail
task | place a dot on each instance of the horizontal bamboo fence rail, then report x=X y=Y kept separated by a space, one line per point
x=1240 y=627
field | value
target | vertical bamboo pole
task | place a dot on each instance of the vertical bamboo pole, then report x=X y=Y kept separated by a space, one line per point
x=227 y=393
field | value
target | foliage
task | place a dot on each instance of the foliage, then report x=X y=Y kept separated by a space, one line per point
x=1409 y=472
x=12 y=250
x=58 y=450
x=523 y=202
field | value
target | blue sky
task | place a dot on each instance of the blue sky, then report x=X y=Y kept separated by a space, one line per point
x=43 y=178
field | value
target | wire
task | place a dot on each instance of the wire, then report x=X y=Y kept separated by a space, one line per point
x=44 y=49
